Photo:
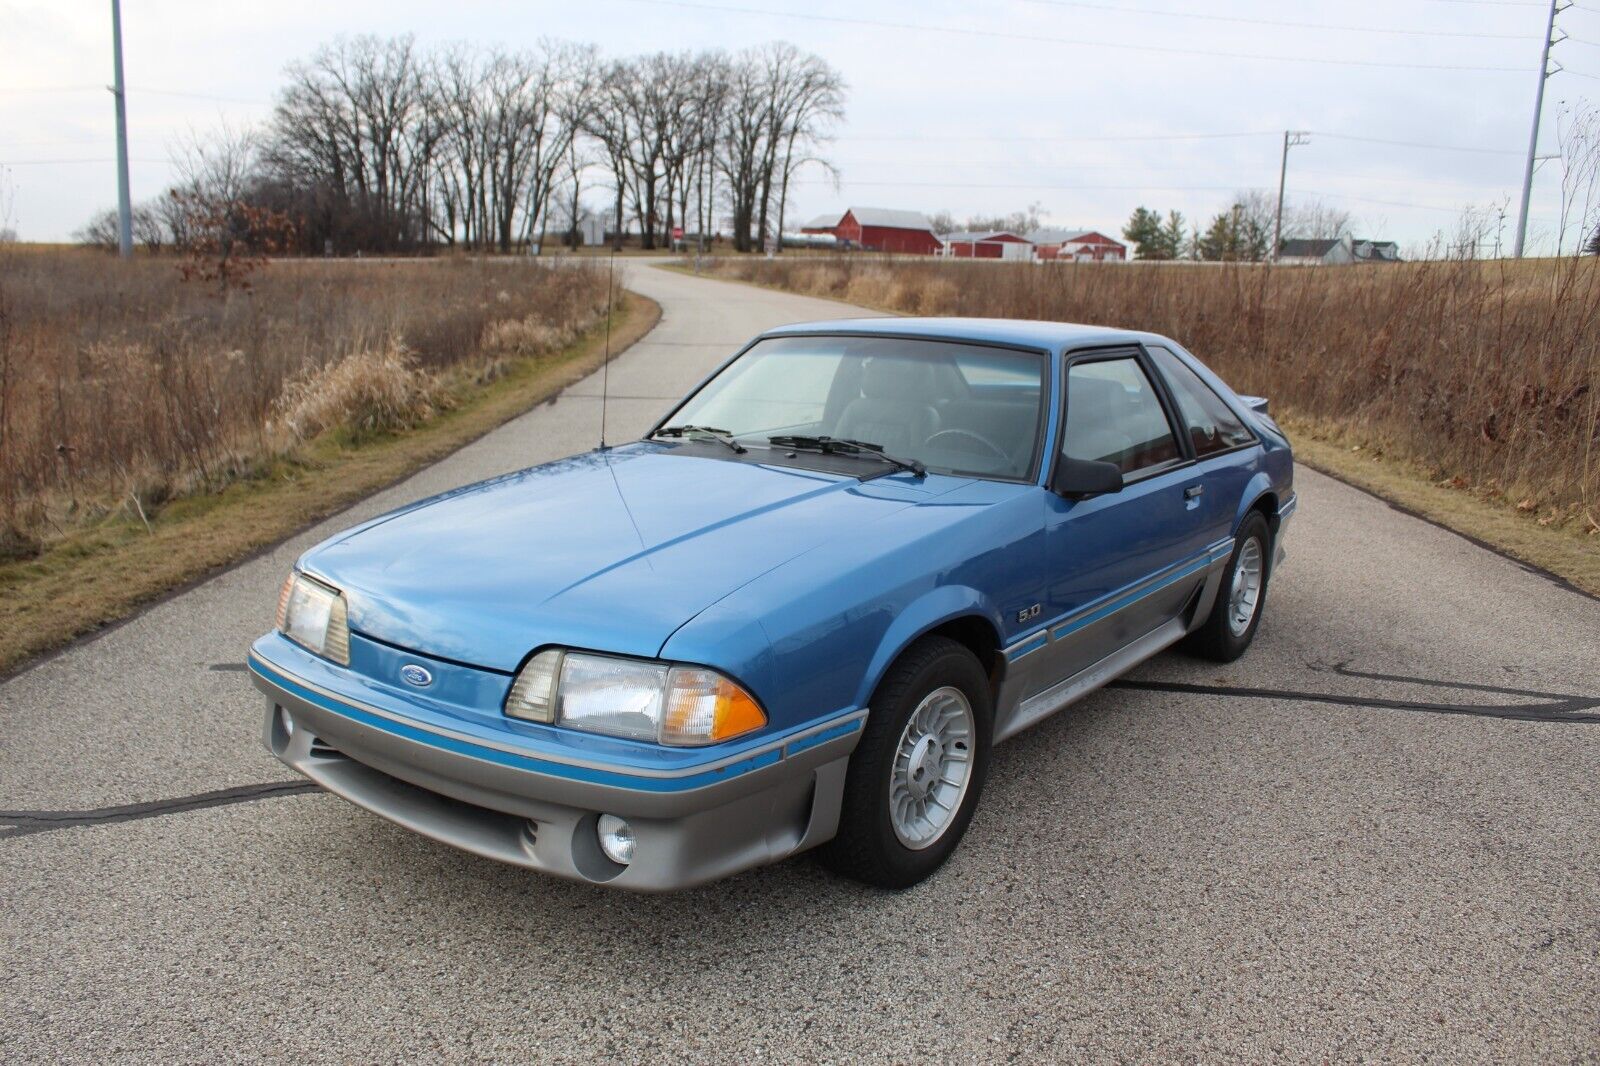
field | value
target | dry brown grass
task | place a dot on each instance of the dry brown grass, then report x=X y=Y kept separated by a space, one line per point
x=123 y=387
x=1483 y=375
x=96 y=573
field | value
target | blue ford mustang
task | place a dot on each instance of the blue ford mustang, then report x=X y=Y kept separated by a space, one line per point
x=796 y=615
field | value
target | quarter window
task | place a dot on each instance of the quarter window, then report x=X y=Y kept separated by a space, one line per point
x=1211 y=423
x=1114 y=416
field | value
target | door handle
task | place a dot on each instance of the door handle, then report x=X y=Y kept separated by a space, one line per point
x=1192 y=491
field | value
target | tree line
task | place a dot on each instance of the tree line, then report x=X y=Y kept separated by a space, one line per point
x=381 y=145
x=1241 y=232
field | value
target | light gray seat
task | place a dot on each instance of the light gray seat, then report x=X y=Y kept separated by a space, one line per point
x=1094 y=428
x=893 y=410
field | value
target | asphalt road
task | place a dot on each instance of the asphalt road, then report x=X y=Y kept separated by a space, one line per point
x=1377 y=836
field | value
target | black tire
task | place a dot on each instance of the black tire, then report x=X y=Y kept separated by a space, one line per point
x=867 y=847
x=1216 y=639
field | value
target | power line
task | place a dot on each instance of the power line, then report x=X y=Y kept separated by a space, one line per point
x=1069 y=138
x=202 y=96
x=19 y=89
x=1342 y=27
x=1456 y=210
x=1034 y=38
x=1489 y=3
x=1417 y=144
x=147 y=91
x=1046 y=186
x=65 y=162
x=1053 y=187
x=1053 y=139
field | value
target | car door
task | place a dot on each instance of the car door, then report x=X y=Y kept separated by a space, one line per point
x=1123 y=564
x=1227 y=453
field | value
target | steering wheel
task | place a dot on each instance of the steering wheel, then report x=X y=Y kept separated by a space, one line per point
x=967 y=434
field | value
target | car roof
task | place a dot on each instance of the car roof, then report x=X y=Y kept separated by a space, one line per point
x=1010 y=331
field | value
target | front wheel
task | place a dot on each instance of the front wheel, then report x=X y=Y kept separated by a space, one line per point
x=914 y=779
x=1236 y=615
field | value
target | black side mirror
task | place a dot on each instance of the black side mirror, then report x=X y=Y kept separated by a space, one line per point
x=1077 y=479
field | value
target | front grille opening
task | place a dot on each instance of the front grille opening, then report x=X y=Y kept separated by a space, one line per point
x=321 y=749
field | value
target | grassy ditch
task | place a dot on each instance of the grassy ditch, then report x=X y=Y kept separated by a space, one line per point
x=334 y=432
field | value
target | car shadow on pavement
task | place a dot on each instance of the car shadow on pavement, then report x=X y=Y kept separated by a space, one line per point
x=1521 y=705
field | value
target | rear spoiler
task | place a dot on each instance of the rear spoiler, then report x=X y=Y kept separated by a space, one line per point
x=1258 y=404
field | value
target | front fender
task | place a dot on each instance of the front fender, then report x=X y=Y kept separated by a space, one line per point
x=929 y=611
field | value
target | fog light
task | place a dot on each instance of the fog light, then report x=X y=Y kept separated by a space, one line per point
x=616 y=839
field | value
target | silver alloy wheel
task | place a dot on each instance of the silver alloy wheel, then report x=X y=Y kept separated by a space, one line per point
x=932 y=766
x=1246 y=592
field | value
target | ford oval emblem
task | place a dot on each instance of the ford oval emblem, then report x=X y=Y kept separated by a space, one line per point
x=412 y=674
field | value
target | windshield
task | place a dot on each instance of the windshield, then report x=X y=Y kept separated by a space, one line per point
x=956 y=408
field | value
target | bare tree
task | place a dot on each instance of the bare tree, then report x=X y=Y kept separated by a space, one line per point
x=101 y=231
x=218 y=167
x=745 y=153
x=1578 y=134
x=810 y=99
x=148 y=227
x=357 y=127
x=1020 y=222
x=1316 y=220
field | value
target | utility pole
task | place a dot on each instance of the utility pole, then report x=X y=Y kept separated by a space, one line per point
x=124 y=204
x=1291 y=139
x=1556 y=7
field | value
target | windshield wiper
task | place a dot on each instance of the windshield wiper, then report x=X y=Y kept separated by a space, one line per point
x=721 y=436
x=847 y=446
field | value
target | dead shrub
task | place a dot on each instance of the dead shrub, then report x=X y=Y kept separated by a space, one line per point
x=370 y=392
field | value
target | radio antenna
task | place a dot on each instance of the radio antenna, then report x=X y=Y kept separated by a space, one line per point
x=605 y=368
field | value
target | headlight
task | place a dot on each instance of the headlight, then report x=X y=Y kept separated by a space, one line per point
x=313 y=615
x=634 y=698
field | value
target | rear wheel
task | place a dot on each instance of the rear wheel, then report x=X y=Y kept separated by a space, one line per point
x=1236 y=615
x=914 y=779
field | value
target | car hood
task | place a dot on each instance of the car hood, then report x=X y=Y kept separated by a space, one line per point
x=609 y=550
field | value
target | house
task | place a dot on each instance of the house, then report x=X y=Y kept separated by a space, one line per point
x=994 y=245
x=822 y=224
x=1337 y=251
x=1375 y=251
x=880 y=229
x=1078 y=245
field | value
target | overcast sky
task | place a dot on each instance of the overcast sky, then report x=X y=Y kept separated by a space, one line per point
x=974 y=108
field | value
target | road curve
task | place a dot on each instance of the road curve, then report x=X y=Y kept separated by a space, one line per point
x=1376 y=836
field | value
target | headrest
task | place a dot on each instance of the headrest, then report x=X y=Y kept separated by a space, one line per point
x=885 y=378
x=1091 y=395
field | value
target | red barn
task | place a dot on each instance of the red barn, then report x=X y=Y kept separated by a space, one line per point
x=1080 y=245
x=997 y=245
x=879 y=229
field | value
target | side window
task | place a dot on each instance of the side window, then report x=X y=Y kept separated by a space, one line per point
x=1211 y=423
x=1114 y=416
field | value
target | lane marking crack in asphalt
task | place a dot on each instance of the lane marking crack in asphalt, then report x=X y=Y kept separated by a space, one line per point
x=26 y=823
x=1556 y=706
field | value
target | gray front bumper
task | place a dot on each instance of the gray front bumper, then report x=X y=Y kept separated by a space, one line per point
x=547 y=823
